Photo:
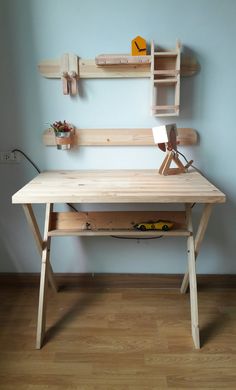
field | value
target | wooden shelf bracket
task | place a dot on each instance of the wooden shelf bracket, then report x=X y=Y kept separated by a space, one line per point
x=69 y=73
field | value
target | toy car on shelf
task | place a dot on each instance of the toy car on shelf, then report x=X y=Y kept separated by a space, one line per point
x=158 y=225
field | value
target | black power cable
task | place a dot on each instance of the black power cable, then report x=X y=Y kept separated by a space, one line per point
x=27 y=158
x=37 y=169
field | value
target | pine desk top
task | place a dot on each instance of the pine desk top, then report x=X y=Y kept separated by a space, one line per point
x=118 y=186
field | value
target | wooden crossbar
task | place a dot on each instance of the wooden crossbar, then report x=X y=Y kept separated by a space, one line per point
x=119 y=137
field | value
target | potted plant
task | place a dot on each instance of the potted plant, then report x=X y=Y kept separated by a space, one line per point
x=63 y=132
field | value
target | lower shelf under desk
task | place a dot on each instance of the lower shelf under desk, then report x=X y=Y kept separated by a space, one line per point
x=115 y=223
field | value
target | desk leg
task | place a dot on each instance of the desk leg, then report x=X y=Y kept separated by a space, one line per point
x=198 y=240
x=192 y=281
x=44 y=280
x=29 y=213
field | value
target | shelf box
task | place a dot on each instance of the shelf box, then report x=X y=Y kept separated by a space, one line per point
x=165 y=63
x=164 y=96
x=165 y=81
x=165 y=111
x=109 y=223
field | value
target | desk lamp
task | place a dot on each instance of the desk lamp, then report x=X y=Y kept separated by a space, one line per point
x=166 y=139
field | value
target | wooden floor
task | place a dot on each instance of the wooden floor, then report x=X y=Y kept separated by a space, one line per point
x=114 y=339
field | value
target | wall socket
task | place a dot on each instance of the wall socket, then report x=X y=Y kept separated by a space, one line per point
x=9 y=157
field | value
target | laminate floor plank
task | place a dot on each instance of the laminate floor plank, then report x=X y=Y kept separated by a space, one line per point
x=115 y=339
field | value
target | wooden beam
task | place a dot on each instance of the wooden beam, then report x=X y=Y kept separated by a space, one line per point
x=119 y=137
x=89 y=69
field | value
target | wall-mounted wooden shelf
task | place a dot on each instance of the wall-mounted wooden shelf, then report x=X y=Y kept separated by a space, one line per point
x=165 y=81
x=87 y=68
x=122 y=59
x=119 y=137
x=164 y=68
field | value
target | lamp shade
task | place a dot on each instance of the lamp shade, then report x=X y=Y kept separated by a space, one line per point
x=165 y=136
x=160 y=134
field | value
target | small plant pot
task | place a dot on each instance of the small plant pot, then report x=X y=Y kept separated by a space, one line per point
x=63 y=140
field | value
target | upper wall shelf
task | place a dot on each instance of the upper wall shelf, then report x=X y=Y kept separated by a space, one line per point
x=87 y=68
x=163 y=68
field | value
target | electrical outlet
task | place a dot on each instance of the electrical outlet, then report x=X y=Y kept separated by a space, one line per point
x=9 y=157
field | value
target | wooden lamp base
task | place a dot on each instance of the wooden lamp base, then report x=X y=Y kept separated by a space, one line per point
x=172 y=156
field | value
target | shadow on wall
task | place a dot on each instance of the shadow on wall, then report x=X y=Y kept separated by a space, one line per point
x=19 y=115
x=22 y=105
x=8 y=253
x=219 y=239
x=188 y=87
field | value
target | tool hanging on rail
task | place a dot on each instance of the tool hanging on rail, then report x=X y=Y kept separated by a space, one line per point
x=69 y=74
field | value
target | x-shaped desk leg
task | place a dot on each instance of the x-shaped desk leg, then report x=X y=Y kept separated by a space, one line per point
x=190 y=276
x=192 y=280
x=47 y=274
x=198 y=240
x=38 y=239
x=46 y=270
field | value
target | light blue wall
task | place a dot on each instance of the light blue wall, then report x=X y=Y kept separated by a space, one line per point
x=32 y=30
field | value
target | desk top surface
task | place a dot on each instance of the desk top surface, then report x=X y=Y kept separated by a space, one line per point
x=118 y=186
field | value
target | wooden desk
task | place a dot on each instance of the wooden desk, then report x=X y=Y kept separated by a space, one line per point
x=117 y=186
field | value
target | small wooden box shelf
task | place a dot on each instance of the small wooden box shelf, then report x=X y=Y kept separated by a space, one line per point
x=165 y=81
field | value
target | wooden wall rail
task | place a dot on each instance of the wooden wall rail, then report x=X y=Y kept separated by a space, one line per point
x=119 y=137
x=87 y=68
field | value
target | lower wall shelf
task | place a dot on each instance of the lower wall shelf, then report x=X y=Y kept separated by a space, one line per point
x=119 y=137
x=115 y=223
x=119 y=233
